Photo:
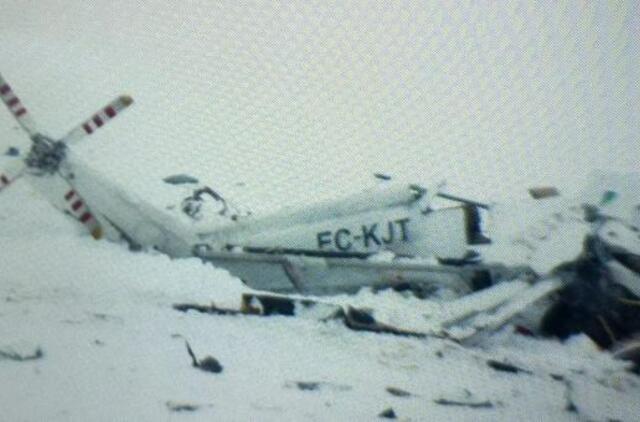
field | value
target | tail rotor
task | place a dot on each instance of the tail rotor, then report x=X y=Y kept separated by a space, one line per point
x=46 y=154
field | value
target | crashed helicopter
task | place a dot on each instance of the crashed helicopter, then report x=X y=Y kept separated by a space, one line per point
x=393 y=236
x=319 y=249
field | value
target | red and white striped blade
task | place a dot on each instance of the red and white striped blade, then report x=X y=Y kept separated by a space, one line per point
x=98 y=120
x=15 y=106
x=10 y=173
x=79 y=209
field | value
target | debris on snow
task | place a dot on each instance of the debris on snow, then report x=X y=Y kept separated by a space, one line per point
x=398 y=392
x=182 y=407
x=476 y=405
x=506 y=367
x=208 y=364
x=316 y=386
x=9 y=353
x=387 y=413
x=180 y=179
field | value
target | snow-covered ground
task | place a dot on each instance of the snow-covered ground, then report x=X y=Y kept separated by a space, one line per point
x=280 y=105
x=113 y=348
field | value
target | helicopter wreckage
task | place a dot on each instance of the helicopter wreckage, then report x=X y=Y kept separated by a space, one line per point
x=408 y=238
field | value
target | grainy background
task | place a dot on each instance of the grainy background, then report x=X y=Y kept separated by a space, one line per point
x=301 y=100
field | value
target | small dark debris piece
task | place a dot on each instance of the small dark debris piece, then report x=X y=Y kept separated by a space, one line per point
x=361 y=320
x=388 y=413
x=206 y=309
x=476 y=405
x=398 y=392
x=360 y=316
x=12 y=152
x=505 y=367
x=571 y=407
x=558 y=377
x=316 y=385
x=182 y=407
x=38 y=354
x=543 y=192
x=307 y=386
x=382 y=176
x=272 y=305
x=208 y=364
x=523 y=331
x=180 y=179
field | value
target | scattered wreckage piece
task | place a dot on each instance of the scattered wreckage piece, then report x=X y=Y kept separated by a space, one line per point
x=502 y=315
x=387 y=413
x=208 y=364
x=304 y=272
x=11 y=354
x=474 y=405
x=596 y=300
x=357 y=319
x=629 y=351
x=506 y=367
x=317 y=385
x=458 y=320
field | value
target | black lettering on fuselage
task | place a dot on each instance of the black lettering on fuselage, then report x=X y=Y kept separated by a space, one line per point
x=324 y=238
x=341 y=239
x=403 y=228
x=369 y=234
x=390 y=232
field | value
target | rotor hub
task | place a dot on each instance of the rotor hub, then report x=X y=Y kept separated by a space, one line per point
x=46 y=154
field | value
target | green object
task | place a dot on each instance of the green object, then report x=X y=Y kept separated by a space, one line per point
x=608 y=197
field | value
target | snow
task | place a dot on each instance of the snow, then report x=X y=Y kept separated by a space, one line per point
x=281 y=106
x=115 y=349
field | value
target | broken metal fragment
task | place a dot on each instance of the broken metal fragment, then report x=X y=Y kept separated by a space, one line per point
x=307 y=386
x=316 y=385
x=398 y=392
x=14 y=356
x=476 y=405
x=356 y=319
x=180 y=179
x=208 y=364
x=543 y=192
x=181 y=407
x=388 y=413
x=362 y=320
x=12 y=152
x=506 y=367
x=592 y=300
x=205 y=309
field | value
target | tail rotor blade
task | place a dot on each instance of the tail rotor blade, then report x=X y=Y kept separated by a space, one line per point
x=96 y=121
x=77 y=207
x=15 y=106
x=11 y=173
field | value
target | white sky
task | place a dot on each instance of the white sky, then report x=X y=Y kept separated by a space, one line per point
x=305 y=99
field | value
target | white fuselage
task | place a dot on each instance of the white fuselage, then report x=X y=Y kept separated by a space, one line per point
x=388 y=218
